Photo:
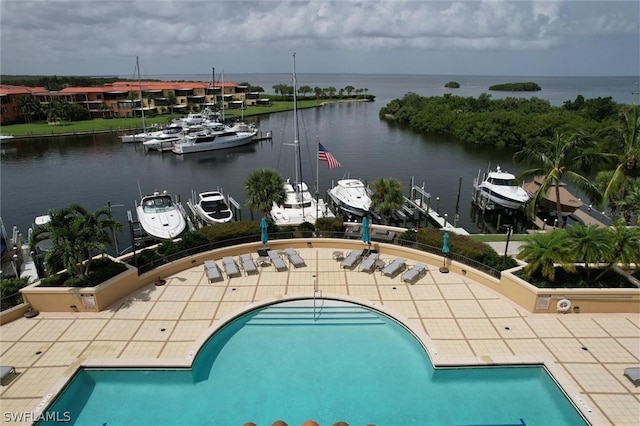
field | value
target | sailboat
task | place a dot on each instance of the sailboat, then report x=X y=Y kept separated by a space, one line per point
x=144 y=136
x=299 y=205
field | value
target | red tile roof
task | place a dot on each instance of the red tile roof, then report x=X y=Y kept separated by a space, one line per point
x=6 y=89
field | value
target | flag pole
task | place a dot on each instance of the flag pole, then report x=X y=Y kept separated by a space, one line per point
x=317 y=179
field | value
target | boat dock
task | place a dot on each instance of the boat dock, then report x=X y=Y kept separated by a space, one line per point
x=587 y=219
x=578 y=215
x=198 y=222
x=422 y=206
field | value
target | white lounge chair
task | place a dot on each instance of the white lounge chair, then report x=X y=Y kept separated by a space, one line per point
x=412 y=274
x=247 y=263
x=5 y=372
x=369 y=263
x=351 y=259
x=633 y=374
x=230 y=266
x=212 y=271
x=294 y=257
x=277 y=261
x=394 y=267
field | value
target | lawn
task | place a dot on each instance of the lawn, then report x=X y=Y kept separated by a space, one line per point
x=99 y=125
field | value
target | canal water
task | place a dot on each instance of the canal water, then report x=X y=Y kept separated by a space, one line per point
x=41 y=174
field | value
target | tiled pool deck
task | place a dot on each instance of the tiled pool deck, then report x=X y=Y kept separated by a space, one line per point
x=464 y=321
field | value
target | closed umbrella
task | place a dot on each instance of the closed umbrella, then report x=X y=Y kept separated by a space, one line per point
x=263 y=231
x=445 y=252
x=365 y=230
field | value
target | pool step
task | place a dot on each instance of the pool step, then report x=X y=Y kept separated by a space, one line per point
x=304 y=315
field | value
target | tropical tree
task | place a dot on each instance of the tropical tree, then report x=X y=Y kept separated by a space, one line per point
x=76 y=236
x=172 y=100
x=29 y=107
x=54 y=112
x=349 y=89
x=564 y=156
x=303 y=90
x=104 y=109
x=625 y=247
x=628 y=158
x=133 y=97
x=386 y=197
x=543 y=251
x=590 y=244
x=264 y=188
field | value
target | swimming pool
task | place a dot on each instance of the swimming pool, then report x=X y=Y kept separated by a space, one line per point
x=341 y=362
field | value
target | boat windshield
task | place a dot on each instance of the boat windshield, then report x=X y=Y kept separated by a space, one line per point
x=503 y=182
x=158 y=205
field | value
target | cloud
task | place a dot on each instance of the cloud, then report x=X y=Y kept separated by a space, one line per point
x=62 y=33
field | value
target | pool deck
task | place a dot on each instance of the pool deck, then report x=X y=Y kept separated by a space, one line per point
x=464 y=323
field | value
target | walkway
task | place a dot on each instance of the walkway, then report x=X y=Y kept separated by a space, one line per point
x=466 y=322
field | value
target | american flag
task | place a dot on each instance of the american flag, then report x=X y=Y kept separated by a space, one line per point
x=324 y=155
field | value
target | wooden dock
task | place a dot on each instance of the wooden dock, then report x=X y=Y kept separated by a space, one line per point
x=587 y=219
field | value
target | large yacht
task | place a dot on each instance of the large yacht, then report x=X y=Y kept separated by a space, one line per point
x=498 y=189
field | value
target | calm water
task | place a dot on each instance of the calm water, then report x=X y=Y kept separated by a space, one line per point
x=349 y=364
x=38 y=175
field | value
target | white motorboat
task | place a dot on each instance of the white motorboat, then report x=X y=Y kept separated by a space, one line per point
x=163 y=143
x=212 y=208
x=299 y=205
x=209 y=140
x=160 y=217
x=351 y=196
x=498 y=189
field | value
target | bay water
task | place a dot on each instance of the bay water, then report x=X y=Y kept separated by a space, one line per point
x=51 y=173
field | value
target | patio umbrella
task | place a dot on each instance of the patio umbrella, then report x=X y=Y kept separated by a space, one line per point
x=263 y=231
x=445 y=252
x=365 y=230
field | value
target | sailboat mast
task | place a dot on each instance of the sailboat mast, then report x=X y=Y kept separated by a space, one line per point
x=144 y=127
x=222 y=91
x=296 y=137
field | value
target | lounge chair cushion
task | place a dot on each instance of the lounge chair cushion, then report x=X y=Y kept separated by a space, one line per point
x=633 y=374
x=212 y=271
x=394 y=267
x=369 y=263
x=276 y=261
x=6 y=371
x=230 y=266
x=351 y=259
x=414 y=273
x=247 y=263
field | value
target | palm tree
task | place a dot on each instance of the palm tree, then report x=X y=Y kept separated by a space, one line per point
x=29 y=107
x=628 y=158
x=132 y=96
x=387 y=197
x=542 y=251
x=625 y=247
x=171 y=98
x=104 y=108
x=349 y=89
x=590 y=244
x=76 y=236
x=264 y=188
x=565 y=156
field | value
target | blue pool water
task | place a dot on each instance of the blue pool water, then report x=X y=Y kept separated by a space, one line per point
x=349 y=363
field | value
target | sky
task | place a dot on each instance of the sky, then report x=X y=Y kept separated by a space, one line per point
x=506 y=38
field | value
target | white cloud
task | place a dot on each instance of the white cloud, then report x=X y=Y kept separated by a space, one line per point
x=78 y=33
